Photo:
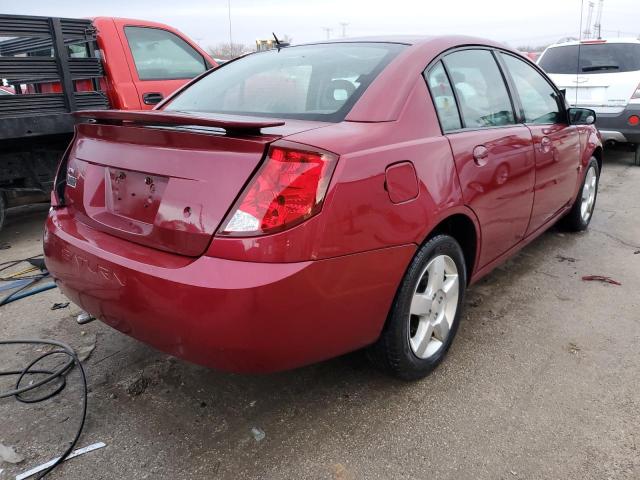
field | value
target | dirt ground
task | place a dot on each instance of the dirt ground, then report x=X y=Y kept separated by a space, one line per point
x=542 y=382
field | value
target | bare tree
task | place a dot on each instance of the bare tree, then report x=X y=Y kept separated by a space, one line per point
x=531 y=48
x=227 y=51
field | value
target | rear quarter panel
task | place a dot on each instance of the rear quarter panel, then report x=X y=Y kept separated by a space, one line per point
x=358 y=214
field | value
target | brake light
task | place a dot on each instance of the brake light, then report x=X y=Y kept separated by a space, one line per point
x=61 y=177
x=288 y=189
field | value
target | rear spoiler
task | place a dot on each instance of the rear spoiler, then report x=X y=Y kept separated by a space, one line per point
x=229 y=123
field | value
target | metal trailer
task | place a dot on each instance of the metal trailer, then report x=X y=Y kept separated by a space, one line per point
x=42 y=59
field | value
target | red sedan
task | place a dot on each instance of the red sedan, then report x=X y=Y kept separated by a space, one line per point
x=300 y=203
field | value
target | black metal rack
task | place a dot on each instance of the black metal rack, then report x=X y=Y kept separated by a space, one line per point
x=36 y=52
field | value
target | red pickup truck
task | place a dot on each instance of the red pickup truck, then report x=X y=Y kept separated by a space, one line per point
x=55 y=66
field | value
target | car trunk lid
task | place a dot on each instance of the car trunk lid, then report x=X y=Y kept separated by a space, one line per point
x=164 y=180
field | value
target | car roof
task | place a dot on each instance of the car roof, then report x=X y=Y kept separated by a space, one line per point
x=405 y=39
x=443 y=41
x=595 y=41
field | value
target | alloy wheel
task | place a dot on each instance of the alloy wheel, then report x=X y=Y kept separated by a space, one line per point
x=433 y=306
x=589 y=194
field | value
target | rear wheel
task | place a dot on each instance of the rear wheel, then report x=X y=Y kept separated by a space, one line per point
x=636 y=159
x=425 y=313
x=580 y=214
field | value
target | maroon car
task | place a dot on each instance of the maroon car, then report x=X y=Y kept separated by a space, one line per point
x=304 y=202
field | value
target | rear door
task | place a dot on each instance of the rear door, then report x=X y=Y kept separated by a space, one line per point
x=556 y=143
x=160 y=61
x=494 y=156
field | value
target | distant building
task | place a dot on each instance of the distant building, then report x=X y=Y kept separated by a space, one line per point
x=262 y=45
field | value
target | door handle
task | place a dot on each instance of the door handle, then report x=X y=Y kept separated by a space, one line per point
x=480 y=155
x=545 y=145
x=152 y=98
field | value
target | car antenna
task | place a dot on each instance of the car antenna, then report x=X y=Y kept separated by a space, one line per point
x=279 y=44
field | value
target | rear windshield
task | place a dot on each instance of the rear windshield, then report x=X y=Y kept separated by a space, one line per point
x=594 y=58
x=310 y=82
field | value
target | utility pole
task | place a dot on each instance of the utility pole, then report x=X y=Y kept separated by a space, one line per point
x=587 y=29
x=344 y=29
x=230 y=37
x=328 y=31
x=597 y=25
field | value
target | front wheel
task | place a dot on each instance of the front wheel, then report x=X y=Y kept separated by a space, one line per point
x=425 y=314
x=581 y=212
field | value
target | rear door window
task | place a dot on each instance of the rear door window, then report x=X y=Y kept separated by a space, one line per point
x=443 y=98
x=480 y=89
x=162 y=55
x=594 y=58
x=539 y=99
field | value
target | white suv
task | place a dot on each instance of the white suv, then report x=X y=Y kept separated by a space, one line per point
x=607 y=80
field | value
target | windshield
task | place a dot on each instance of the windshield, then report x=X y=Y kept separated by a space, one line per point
x=311 y=82
x=594 y=58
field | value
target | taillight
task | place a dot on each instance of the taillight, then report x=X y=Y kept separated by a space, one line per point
x=61 y=177
x=636 y=94
x=288 y=189
x=633 y=120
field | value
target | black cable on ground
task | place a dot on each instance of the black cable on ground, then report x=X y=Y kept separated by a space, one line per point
x=38 y=262
x=13 y=263
x=52 y=376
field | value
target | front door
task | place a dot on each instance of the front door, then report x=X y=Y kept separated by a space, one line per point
x=557 y=144
x=163 y=62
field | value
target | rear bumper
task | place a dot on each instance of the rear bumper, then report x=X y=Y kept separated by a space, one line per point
x=231 y=315
x=616 y=127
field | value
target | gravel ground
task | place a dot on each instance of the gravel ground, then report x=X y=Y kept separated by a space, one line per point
x=541 y=382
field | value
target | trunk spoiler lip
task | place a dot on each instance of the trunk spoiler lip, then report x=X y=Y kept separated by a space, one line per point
x=230 y=123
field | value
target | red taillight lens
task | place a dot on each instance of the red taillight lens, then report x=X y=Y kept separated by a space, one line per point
x=634 y=120
x=288 y=189
x=60 y=179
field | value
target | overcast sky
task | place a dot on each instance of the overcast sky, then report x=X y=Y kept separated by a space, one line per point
x=517 y=22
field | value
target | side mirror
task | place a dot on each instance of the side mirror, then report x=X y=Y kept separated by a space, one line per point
x=581 y=116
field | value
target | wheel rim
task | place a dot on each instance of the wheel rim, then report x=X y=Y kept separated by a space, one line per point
x=433 y=306
x=589 y=194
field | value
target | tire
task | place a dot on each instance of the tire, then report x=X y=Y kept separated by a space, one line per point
x=399 y=350
x=576 y=220
x=636 y=158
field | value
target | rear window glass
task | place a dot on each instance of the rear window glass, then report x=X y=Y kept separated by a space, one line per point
x=594 y=58
x=443 y=98
x=312 y=82
x=480 y=89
